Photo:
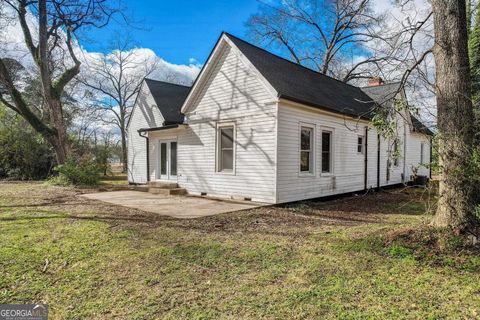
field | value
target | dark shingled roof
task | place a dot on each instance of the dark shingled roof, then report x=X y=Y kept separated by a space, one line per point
x=384 y=95
x=169 y=98
x=300 y=84
x=418 y=126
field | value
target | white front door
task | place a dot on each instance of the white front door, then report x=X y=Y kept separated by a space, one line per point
x=167 y=160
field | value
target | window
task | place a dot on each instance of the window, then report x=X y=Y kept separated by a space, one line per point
x=306 y=150
x=163 y=158
x=326 y=152
x=360 y=144
x=225 y=148
x=421 y=152
x=173 y=158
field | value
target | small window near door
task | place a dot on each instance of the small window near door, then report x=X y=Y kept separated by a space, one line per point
x=326 y=151
x=163 y=158
x=306 y=150
x=173 y=158
x=360 y=144
x=225 y=148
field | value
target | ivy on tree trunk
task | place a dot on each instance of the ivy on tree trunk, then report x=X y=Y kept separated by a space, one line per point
x=456 y=204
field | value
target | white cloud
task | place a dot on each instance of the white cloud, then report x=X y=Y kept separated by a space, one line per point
x=12 y=45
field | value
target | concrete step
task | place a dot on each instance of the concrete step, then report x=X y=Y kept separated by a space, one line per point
x=123 y=188
x=163 y=185
x=142 y=188
x=167 y=192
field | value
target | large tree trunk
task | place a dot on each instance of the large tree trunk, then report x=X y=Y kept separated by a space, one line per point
x=52 y=96
x=455 y=116
x=59 y=141
x=60 y=144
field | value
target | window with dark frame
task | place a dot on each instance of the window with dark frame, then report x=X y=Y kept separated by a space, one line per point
x=306 y=150
x=360 y=144
x=326 y=152
x=225 y=149
x=163 y=158
x=173 y=158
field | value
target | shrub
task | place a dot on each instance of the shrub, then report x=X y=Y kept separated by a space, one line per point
x=24 y=154
x=77 y=173
x=58 y=180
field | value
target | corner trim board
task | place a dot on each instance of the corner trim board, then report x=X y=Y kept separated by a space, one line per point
x=147 y=142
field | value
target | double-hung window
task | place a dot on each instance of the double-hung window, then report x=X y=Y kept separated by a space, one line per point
x=360 y=144
x=326 y=151
x=225 y=148
x=306 y=149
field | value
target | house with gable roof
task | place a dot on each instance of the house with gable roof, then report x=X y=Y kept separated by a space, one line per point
x=258 y=127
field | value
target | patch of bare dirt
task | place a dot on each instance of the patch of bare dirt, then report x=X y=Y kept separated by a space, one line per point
x=295 y=218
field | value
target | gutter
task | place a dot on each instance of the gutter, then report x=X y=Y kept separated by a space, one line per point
x=366 y=158
x=323 y=108
x=430 y=166
x=405 y=178
x=168 y=126
x=148 y=151
x=378 y=162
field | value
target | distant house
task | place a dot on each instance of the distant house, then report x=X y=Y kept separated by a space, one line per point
x=256 y=126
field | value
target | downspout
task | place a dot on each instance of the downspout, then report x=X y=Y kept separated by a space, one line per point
x=366 y=158
x=430 y=165
x=148 y=152
x=378 y=162
x=404 y=178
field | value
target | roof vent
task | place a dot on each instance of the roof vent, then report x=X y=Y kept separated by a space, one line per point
x=375 y=81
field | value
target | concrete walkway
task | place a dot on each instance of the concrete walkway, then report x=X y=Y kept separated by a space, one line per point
x=173 y=206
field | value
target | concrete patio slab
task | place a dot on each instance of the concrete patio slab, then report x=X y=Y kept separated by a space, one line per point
x=173 y=206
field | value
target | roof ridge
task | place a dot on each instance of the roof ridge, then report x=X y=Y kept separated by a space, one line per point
x=381 y=85
x=289 y=61
x=166 y=82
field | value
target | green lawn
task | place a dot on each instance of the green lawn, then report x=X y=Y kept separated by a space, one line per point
x=351 y=258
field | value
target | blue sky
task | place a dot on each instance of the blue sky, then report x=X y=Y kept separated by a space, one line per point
x=182 y=29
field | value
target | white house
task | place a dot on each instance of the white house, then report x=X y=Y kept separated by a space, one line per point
x=256 y=126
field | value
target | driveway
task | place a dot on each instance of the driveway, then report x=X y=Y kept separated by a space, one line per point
x=173 y=206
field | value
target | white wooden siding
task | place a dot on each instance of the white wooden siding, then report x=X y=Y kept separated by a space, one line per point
x=145 y=114
x=413 y=154
x=232 y=93
x=348 y=165
x=386 y=149
x=267 y=141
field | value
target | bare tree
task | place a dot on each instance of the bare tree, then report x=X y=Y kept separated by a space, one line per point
x=117 y=78
x=319 y=33
x=455 y=118
x=324 y=34
x=53 y=50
